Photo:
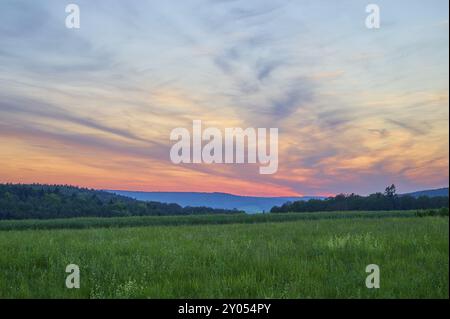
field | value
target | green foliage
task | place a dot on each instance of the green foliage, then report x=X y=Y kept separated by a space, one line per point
x=390 y=191
x=318 y=258
x=443 y=212
x=374 y=202
x=61 y=201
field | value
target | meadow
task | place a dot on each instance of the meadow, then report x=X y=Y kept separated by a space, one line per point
x=135 y=221
x=320 y=255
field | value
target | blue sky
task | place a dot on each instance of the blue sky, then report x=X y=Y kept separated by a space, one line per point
x=357 y=109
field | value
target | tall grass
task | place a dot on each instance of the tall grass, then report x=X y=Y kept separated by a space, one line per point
x=320 y=258
x=136 y=221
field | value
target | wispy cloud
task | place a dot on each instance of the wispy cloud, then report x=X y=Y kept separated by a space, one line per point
x=356 y=109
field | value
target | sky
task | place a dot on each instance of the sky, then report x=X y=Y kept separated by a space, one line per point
x=357 y=109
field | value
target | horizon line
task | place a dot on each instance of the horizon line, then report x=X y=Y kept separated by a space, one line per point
x=216 y=192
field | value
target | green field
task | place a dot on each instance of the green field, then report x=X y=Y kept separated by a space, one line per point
x=320 y=255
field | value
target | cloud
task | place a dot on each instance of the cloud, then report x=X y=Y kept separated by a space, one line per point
x=114 y=89
x=411 y=128
x=294 y=97
x=266 y=68
x=383 y=133
x=30 y=109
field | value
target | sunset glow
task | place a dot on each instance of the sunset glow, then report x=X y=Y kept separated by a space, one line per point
x=356 y=109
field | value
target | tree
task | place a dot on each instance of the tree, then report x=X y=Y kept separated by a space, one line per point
x=390 y=191
x=389 y=200
x=61 y=201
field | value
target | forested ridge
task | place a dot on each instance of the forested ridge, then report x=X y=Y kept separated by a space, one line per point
x=37 y=201
x=389 y=200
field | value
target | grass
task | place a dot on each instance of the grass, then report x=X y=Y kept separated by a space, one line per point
x=314 y=257
x=140 y=221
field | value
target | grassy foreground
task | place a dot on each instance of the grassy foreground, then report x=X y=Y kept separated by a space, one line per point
x=323 y=258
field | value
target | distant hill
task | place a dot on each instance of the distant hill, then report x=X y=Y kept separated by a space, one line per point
x=19 y=201
x=249 y=204
x=430 y=193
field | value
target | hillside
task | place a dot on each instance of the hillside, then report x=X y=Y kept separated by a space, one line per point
x=18 y=201
x=249 y=204
x=372 y=202
x=430 y=192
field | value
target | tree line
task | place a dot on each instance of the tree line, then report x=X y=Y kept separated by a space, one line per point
x=36 y=201
x=388 y=200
